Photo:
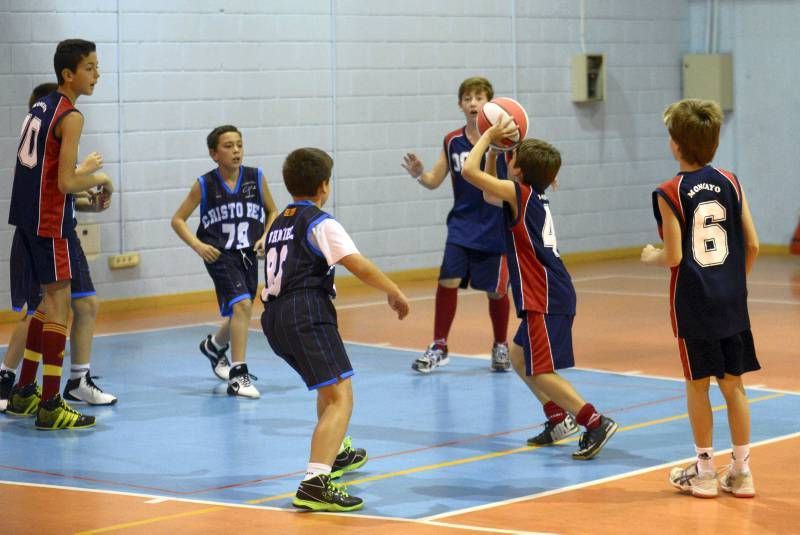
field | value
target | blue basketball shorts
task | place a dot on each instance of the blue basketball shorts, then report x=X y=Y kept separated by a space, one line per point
x=235 y=276
x=483 y=271
x=733 y=355
x=546 y=340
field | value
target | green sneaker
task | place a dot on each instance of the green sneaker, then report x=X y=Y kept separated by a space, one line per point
x=321 y=494
x=348 y=459
x=24 y=400
x=56 y=414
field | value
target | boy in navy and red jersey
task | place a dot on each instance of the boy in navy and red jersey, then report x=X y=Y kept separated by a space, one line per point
x=45 y=180
x=543 y=291
x=26 y=294
x=710 y=244
x=299 y=320
x=236 y=207
x=473 y=254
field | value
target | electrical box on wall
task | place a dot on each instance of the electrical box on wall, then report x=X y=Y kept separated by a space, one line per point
x=588 y=77
x=710 y=77
x=89 y=234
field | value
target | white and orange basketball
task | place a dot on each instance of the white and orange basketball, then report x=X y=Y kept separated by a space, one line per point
x=497 y=108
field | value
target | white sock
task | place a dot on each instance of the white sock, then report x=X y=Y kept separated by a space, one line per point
x=5 y=368
x=76 y=371
x=216 y=344
x=705 y=460
x=741 y=459
x=315 y=469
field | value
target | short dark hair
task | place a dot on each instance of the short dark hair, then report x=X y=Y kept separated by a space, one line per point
x=213 y=138
x=40 y=91
x=694 y=124
x=305 y=169
x=69 y=54
x=476 y=83
x=539 y=162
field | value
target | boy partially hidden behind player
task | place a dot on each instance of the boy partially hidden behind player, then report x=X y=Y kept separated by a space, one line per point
x=299 y=320
x=710 y=244
x=543 y=292
x=235 y=209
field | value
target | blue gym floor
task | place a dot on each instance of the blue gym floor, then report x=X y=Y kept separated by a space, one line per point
x=451 y=440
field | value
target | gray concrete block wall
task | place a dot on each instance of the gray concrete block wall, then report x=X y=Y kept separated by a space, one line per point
x=273 y=69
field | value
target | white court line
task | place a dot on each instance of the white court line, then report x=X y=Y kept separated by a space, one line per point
x=158 y=500
x=596 y=481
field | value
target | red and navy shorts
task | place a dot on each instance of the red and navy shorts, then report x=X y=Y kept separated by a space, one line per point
x=483 y=271
x=733 y=355
x=546 y=340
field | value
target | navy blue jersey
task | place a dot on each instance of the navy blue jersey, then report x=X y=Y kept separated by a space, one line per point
x=37 y=204
x=292 y=261
x=708 y=289
x=472 y=222
x=231 y=219
x=539 y=280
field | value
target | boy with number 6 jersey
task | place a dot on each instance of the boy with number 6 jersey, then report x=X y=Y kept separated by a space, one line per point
x=710 y=244
x=235 y=209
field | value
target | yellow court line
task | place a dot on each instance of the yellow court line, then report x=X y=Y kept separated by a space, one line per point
x=418 y=469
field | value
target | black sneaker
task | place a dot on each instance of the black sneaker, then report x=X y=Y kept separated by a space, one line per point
x=321 y=494
x=7 y=378
x=349 y=459
x=555 y=432
x=593 y=440
x=24 y=400
x=220 y=364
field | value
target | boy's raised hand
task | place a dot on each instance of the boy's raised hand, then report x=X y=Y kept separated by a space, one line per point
x=504 y=128
x=399 y=304
x=92 y=163
x=650 y=254
x=413 y=165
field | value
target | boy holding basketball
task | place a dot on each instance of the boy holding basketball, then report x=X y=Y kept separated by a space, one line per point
x=473 y=254
x=710 y=245
x=235 y=210
x=299 y=320
x=543 y=292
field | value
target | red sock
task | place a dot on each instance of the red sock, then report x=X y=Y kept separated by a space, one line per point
x=54 y=339
x=33 y=350
x=498 y=311
x=588 y=417
x=554 y=413
x=446 y=301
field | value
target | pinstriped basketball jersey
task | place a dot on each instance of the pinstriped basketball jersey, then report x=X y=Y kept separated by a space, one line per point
x=708 y=289
x=37 y=204
x=231 y=219
x=539 y=281
x=292 y=261
x=472 y=222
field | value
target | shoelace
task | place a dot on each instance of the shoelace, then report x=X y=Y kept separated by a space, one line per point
x=91 y=384
x=347 y=444
x=339 y=489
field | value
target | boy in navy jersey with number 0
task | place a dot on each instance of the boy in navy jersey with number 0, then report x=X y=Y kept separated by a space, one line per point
x=710 y=244
x=235 y=209
x=299 y=320
x=543 y=293
x=473 y=253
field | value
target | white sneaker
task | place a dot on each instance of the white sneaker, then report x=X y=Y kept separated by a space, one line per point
x=500 y=360
x=84 y=390
x=217 y=357
x=740 y=485
x=240 y=383
x=689 y=480
x=432 y=358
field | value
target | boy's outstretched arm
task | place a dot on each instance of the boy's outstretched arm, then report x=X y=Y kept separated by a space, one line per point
x=207 y=252
x=750 y=236
x=471 y=171
x=430 y=179
x=672 y=253
x=369 y=274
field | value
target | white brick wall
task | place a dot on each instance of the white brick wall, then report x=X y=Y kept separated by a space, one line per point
x=189 y=65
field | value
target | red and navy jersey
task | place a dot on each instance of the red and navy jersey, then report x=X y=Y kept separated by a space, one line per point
x=539 y=280
x=708 y=289
x=37 y=204
x=231 y=219
x=292 y=261
x=472 y=222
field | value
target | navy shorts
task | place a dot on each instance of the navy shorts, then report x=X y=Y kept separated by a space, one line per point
x=25 y=285
x=546 y=340
x=733 y=355
x=483 y=271
x=301 y=328
x=235 y=276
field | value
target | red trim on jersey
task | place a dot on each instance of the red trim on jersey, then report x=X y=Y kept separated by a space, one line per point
x=673 y=285
x=61 y=259
x=532 y=274
x=541 y=359
x=502 y=277
x=687 y=367
x=672 y=190
x=52 y=202
x=734 y=182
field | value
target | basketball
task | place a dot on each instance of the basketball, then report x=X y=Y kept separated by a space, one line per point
x=497 y=108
